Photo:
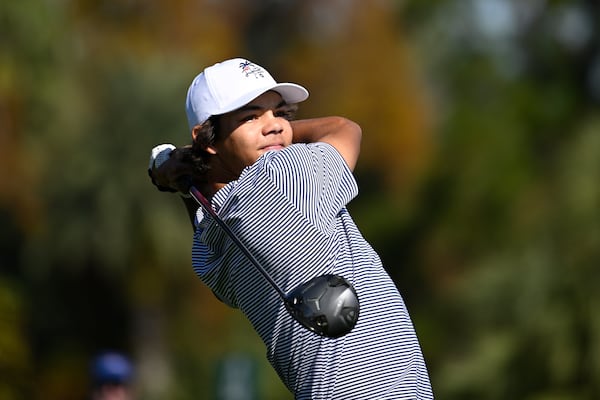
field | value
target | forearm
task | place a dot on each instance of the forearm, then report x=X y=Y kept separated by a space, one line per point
x=320 y=129
x=339 y=132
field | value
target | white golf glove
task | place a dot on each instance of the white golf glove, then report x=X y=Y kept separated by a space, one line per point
x=159 y=155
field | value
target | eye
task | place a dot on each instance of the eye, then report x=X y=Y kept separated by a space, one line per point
x=248 y=117
x=287 y=111
x=283 y=113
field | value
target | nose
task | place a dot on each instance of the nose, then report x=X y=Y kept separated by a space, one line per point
x=272 y=123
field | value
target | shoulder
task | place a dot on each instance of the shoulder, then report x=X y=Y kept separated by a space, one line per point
x=303 y=155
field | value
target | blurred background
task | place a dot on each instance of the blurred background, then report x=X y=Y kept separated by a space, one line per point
x=479 y=178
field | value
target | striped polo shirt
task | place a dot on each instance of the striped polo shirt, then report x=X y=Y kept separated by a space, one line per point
x=289 y=209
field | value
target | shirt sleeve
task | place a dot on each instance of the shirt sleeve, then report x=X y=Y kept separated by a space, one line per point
x=314 y=178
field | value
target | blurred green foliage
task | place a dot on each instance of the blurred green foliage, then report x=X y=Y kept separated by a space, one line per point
x=479 y=184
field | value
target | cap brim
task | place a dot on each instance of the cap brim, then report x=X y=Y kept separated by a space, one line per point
x=290 y=92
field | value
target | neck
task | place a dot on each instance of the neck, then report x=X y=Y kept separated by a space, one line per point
x=217 y=177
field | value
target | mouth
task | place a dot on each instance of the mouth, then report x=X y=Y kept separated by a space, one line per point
x=270 y=147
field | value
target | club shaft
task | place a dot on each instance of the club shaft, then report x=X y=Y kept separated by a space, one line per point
x=206 y=206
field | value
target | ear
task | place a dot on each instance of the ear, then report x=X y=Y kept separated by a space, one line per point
x=195 y=132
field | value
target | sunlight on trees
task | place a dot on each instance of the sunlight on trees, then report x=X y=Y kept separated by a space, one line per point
x=479 y=184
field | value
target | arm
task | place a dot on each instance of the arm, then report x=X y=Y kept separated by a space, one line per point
x=339 y=132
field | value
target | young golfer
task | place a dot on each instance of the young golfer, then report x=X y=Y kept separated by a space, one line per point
x=283 y=186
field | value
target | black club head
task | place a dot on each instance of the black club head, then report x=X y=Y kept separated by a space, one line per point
x=327 y=305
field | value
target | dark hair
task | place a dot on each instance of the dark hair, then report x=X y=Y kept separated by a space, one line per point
x=195 y=153
x=208 y=134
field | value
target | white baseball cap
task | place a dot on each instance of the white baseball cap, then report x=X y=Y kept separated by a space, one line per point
x=231 y=84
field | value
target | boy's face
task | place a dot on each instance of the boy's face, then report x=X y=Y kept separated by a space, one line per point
x=251 y=131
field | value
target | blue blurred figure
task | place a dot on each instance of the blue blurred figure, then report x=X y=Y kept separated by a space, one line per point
x=112 y=374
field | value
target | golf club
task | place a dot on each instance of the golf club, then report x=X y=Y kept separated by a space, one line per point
x=326 y=305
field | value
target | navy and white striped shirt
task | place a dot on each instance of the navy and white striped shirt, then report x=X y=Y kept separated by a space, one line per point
x=289 y=209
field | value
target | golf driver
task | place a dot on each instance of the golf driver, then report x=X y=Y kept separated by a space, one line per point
x=326 y=305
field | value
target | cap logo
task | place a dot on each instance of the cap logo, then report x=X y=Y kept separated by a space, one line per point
x=251 y=69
